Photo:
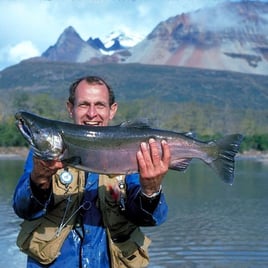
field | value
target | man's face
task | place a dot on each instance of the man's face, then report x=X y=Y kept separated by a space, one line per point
x=91 y=105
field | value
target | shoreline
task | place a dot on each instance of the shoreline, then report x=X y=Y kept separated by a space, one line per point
x=253 y=155
x=20 y=153
x=16 y=153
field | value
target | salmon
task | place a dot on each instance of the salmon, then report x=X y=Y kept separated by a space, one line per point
x=113 y=149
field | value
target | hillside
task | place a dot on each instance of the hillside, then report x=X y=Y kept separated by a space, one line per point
x=174 y=97
x=136 y=81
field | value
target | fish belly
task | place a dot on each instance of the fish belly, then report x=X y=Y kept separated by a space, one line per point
x=106 y=161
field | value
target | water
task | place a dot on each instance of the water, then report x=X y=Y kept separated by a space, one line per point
x=210 y=224
x=10 y=256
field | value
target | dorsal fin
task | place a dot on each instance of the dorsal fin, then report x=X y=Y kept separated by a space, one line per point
x=189 y=134
x=136 y=124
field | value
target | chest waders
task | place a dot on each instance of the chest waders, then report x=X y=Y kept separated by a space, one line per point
x=128 y=245
x=42 y=238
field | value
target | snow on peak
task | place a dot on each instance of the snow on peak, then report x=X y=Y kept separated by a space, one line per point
x=126 y=39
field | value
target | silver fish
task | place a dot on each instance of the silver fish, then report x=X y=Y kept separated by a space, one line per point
x=113 y=149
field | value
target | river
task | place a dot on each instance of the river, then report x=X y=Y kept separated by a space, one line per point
x=210 y=224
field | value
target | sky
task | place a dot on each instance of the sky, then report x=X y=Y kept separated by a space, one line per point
x=29 y=27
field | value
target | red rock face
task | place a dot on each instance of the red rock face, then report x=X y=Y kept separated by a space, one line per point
x=230 y=36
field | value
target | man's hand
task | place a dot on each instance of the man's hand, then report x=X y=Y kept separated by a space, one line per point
x=153 y=165
x=42 y=172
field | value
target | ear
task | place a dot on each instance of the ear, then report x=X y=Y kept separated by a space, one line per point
x=70 y=108
x=113 y=110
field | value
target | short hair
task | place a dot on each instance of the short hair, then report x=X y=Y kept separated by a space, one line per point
x=90 y=80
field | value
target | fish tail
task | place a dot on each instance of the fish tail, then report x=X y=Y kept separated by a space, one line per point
x=224 y=164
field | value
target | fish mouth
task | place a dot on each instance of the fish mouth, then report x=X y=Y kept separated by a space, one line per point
x=24 y=129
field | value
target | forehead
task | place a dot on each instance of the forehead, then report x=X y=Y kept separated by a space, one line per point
x=92 y=91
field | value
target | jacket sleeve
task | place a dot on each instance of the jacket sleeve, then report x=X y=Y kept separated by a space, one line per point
x=27 y=203
x=144 y=211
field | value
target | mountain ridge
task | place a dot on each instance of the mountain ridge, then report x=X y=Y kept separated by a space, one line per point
x=230 y=36
x=70 y=47
x=138 y=81
x=191 y=40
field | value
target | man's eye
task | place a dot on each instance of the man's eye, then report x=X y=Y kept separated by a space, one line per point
x=83 y=105
x=100 y=105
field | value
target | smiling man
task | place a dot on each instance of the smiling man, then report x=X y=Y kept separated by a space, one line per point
x=77 y=219
x=91 y=102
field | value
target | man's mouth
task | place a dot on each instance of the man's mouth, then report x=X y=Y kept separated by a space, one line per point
x=91 y=123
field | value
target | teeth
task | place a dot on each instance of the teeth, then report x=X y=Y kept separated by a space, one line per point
x=91 y=123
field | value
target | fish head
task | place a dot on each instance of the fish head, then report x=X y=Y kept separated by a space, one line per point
x=41 y=134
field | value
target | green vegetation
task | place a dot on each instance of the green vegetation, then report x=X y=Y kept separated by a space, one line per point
x=255 y=142
x=10 y=135
x=208 y=103
x=206 y=121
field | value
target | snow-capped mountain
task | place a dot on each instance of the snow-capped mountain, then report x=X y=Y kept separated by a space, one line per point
x=229 y=36
x=71 y=47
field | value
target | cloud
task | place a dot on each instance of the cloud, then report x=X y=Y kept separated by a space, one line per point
x=10 y=55
x=23 y=50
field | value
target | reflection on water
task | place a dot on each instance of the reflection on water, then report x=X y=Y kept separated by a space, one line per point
x=210 y=224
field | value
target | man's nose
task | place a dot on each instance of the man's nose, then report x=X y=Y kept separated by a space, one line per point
x=92 y=111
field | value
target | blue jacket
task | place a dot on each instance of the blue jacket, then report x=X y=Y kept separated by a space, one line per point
x=91 y=251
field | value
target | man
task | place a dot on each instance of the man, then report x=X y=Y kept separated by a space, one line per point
x=105 y=232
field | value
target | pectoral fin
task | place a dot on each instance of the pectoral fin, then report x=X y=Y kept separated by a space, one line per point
x=180 y=164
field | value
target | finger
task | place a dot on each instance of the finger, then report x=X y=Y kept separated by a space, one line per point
x=155 y=155
x=145 y=150
x=57 y=164
x=141 y=162
x=52 y=164
x=166 y=154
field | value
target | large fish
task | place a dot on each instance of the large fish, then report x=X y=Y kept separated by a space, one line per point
x=113 y=149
